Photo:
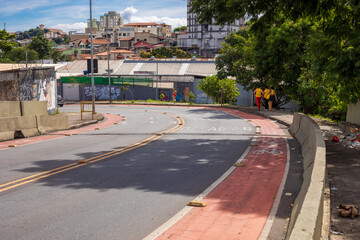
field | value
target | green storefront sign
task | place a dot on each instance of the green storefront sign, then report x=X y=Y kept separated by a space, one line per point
x=105 y=80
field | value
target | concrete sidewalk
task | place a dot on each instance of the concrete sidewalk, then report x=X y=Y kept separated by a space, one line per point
x=75 y=120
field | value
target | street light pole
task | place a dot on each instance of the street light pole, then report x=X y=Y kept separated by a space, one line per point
x=92 y=61
x=157 y=75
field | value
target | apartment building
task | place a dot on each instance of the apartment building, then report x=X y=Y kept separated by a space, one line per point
x=111 y=20
x=205 y=39
x=95 y=26
x=161 y=30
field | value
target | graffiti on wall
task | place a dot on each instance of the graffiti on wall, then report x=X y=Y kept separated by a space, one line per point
x=35 y=86
x=43 y=90
x=102 y=92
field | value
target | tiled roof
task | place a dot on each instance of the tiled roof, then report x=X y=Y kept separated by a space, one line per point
x=141 y=44
x=115 y=51
x=101 y=41
x=86 y=56
x=125 y=39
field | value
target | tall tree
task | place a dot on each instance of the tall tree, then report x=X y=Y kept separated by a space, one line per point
x=41 y=45
x=333 y=50
x=6 y=41
x=19 y=54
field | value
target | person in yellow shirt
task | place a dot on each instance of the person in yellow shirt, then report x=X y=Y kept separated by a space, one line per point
x=258 y=95
x=266 y=97
x=272 y=98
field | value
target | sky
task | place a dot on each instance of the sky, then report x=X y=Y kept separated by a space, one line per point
x=73 y=15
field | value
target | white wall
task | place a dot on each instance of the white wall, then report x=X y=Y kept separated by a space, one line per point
x=353 y=113
x=71 y=92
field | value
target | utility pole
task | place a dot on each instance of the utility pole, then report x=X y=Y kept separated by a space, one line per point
x=26 y=58
x=92 y=61
x=4 y=25
x=157 y=79
x=108 y=55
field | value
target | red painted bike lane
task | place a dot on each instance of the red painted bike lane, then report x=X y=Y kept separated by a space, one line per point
x=238 y=208
x=109 y=121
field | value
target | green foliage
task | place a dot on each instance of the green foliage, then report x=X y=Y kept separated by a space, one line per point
x=165 y=52
x=41 y=45
x=19 y=54
x=162 y=96
x=309 y=50
x=57 y=56
x=191 y=96
x=6 y=60
x=61 y=40
x=126 y=87
x=33 y=32
x=144 y=54
x=6 y=41
x=220 y=90
x=180 y=29
x=275 y=57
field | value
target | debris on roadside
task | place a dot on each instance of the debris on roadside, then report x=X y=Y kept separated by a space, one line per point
x=352 y=140
x=336 y=233
x=348 y=211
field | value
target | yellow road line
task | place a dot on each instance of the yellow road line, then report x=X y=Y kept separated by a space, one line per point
x=68 y=167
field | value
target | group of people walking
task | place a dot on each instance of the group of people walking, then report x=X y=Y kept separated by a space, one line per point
x=269 y=96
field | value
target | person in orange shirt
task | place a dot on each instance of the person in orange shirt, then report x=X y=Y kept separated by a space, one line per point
x=258 y=95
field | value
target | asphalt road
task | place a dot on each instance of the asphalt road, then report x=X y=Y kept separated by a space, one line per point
x=125 y=193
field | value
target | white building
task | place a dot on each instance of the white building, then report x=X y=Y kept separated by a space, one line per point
x=205 y=39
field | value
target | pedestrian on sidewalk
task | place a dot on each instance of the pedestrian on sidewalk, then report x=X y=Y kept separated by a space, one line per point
x=272 y=98
x=174 y=95
x=258 y=93
x=266 y=97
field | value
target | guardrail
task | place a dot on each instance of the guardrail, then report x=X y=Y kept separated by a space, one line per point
x=307 y=214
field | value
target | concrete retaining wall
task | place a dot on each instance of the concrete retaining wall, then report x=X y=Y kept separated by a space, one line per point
x=29 y=108
x=353 y=113
x=28 y=118
x=307 y=214
x=10 y=109
x=24 y=126
x=46 y=123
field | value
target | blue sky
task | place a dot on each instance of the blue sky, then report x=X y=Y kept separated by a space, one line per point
x=73 y=15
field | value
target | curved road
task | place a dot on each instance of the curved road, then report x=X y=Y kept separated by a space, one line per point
x=127 y=187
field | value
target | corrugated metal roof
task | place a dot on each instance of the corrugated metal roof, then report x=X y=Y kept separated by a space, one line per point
x=202 y=69
x=11 y=66
x=127 y=67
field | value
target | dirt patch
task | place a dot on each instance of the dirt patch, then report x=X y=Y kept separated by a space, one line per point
x=343 y=166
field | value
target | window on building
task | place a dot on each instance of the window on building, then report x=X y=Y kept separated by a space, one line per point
x=124 y=34
x=145 y=40
x=137 y=40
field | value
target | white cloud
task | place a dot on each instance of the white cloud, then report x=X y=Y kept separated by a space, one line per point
x=128 y=13
x=174 y=22
x=79 y=27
